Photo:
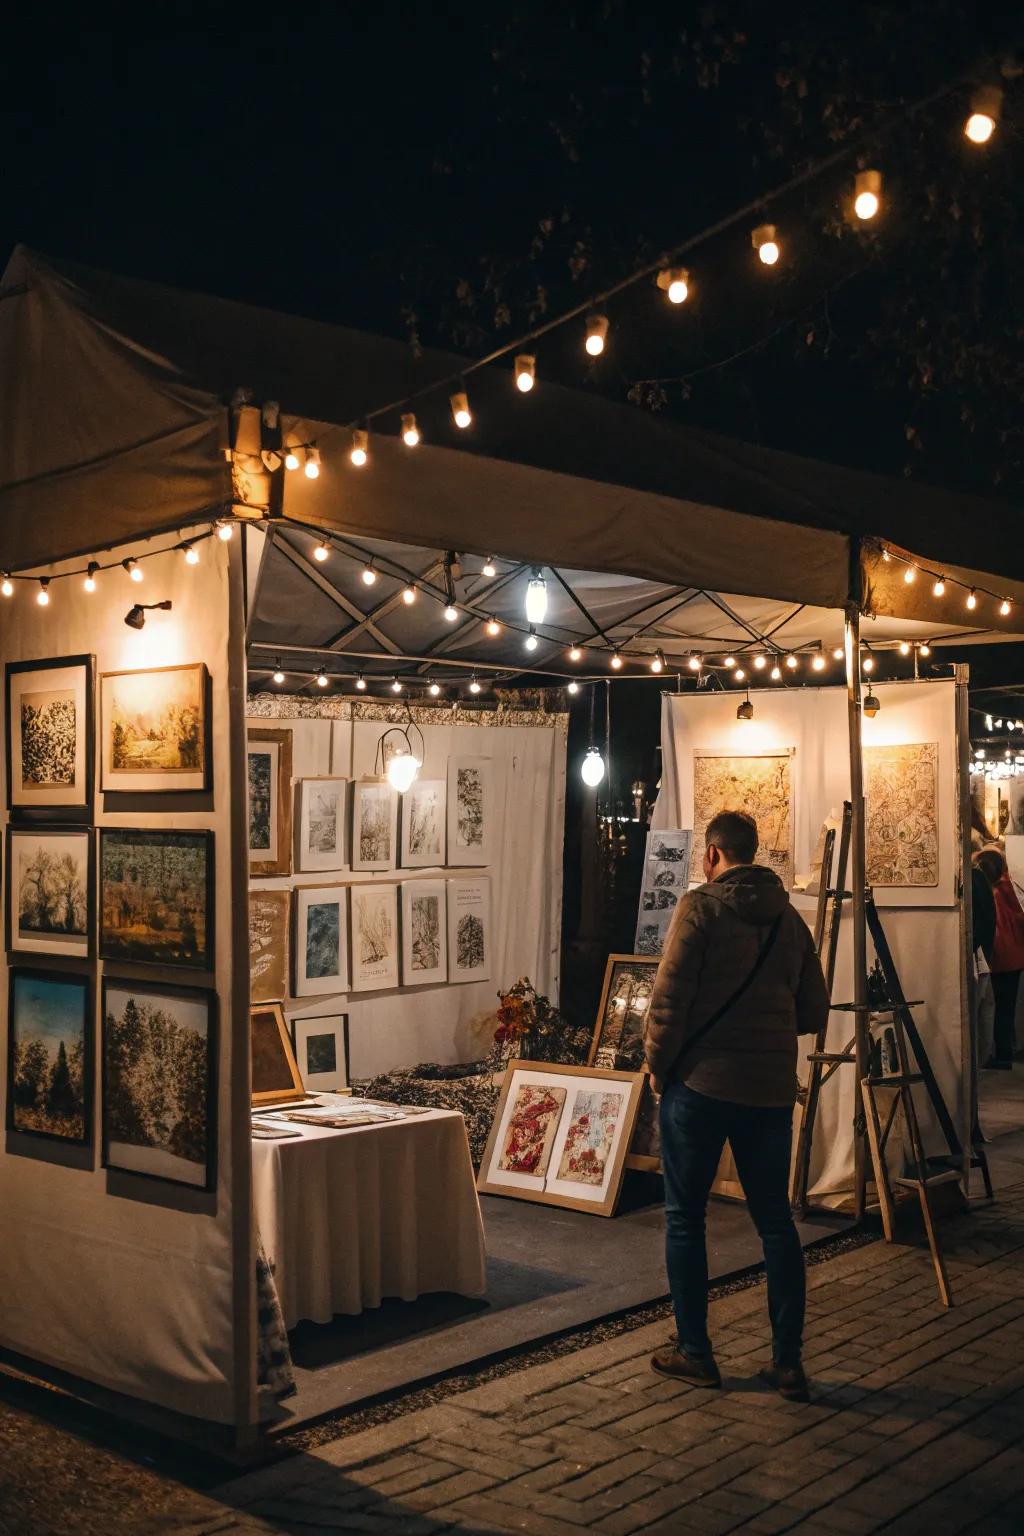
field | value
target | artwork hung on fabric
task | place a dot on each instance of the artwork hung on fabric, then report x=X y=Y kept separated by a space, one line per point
x=618 y=1039
x=155 y=730
x=268 y=945
x=761 y=785
x=423 y=824
x=49 y=744
x=323 y=824
x=470 y=810
x=666 y=878
x=374 y=937
x=157 y=897
x=561 y=1134
x=374 y=824
x=321 y=1050
x=901 y=822
x=50 y=892
x=159 y=1082
x=469 y=928
x=270 y=801
x=424 y=932
x=321 y=939
x=49 y=1055
x=276 y=1078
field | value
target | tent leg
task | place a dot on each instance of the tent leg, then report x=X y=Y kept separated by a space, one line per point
x=858 y=909
x=968 y=999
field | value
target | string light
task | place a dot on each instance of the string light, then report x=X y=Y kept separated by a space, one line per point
x=396 y=686
x=410 y=431
x=531 y=642
x=616 y=662
x=573 y=688
x=526 y=371
x=408 y=596
x=986 y=109
x=837 y=654
x=90 y=577
x=910 y=574
x=461 y=414
x=190 y=552
x=225 y=530
x=536 y=598
x=597 y=332
x=972 y=599
x=575 y=654
x=658 y=662
x=291 y=459
x=695 y=662
x=493 y=627
x=321 y=679
x=869 y=663
x=924 y=650
x=451 y=613
x=312 y=464
x=674 y=282
x=434 y=689
x=7 y=585
x=739 y=674
x=818 y=661
x=775 y=674
x=791 y=662
x=360 y=450
x=730 y=661
x=474 y=686
x=765 y=244
x=369 y=575
x=1004 y=608
x=939 y=589
x=489 y=568
x=904 y=648
x=133 y=568
x=886 y=556
x=43 y=595
x=867 y=194
x=760 y=661
x=321 y=551
x=278 y=674
x=360 y=684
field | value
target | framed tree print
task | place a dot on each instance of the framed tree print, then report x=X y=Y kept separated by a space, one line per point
x=321 y=939
x=49 y=744
x=374 y=824
x=157 y=897
x=276 y=1078
x=321 y=1050
x=470 y=810
x=270 y=801
x=155 y=730
x=323 y=824
x=423 y=824
x=469 y=928
x=424 y=932
x=49 y=1055
x=374 y=937
x=50 y=907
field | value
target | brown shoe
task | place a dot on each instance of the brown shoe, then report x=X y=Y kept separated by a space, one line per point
x=788 y=1381
x=676 y=1365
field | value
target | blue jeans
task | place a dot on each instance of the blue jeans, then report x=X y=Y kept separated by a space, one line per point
x=694 y=1130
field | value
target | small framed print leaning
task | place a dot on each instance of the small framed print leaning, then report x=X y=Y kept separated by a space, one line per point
x=49 y=742
x=155 y=730
x=49 y=1055
x=276 y=1078
x=270 y=802
x=50 y=907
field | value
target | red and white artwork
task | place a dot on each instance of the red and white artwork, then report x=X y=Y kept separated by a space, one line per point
x=588 y=1141
x=530 y=1130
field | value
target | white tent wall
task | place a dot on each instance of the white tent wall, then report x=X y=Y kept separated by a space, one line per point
x=924 y=936
x=125 y=1281
x=446 y=1023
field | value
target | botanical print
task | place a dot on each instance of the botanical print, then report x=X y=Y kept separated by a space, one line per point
x=49 y=1031
x=469 y=942
x=901 y=825
x=426 y=932
x=374 y=936
x=375 y=824
x=269 y=785
x=49 y=891
x=470 y=835
x=268 y=945
x=323 y=818
x=261 y=781
x=49 y=737
x=530 y=1130
x=154 y=889
x=322 y=938
x=470 y=804
x=154 y=721
x=157 y=1065
x=588 y=1142
x=759 y=785
x=423 y=822
x=468 y=929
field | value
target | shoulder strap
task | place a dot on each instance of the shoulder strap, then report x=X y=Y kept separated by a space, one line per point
x=730 y=1002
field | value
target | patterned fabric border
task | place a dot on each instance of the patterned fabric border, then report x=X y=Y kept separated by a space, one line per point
x=294 y=706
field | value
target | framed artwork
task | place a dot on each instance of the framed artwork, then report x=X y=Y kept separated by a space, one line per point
x=470 y=810
x=321 y=939
x=666 y=878
x=560 y=1135
x=268 y=945
x=902 y=820
x=321 y=1050
x=50 y=1055
x=323 y=824
x=160 y=1082
x=423 y=824
x=155 y=730
x=622 y=1014
x=50 y=738
x=374 y=937
x=469 y=928
x=760 y=784
x=374 y=824
x=50 y=892
x=157 y=897
x=270 y=801
x=275 y=1073
x=424 y=932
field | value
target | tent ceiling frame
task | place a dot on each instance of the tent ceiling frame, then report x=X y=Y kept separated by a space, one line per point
x=338 y=598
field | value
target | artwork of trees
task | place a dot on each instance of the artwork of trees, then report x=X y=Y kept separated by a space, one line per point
x=375 y=930
x=323 y=818
x=260 y=782
x=48 y=739
x=51 y=891
x=469 y=942
x=426 y=933
x=156 y=1064
x=48 y=1057
x=152 y=731
x=470 y=802
x=323 y=927
x=374 y=828
x=153 y=891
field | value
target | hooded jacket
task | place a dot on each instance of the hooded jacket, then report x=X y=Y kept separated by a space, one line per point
x=749 y=1055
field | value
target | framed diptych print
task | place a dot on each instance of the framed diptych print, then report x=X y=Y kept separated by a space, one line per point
x=469 y=928
x=155 y=730
x=275 y=1072
x=323 y=824
x=470 y=810
x=268 y=945
x=321 y=1050
x=270 y=801
x=321 y=939
x=49 y=1055
x=50 y=907
x=157 y=897
x=49 y=741
x=424 y=932
x=374 y=948
x=423 y=824
x=374 y=824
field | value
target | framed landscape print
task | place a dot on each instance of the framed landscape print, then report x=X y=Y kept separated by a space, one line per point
x=374 y=824
x=469 y=928
x=423 y=824
x=49 y=1055
x=268 y=945
x=321 y=1050
x=270 y=801
x=49 y=743
x=560 y=1135
x=470 y=810
x=321 y=939
x=275 y=1072
x=157 y=897
x=160 y=1082
x=50 y=906
x=374 y=937
x=323 y=824
x=424 y=932
x=622 y=1015
x=155 y=730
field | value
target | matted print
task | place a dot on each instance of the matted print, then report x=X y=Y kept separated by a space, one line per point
x=159 y=1082
x=589 y=1134
x=423 y=824
x=323 y=824
x=469 y=928
x=276 y=1078
x=374 y=825
x=50 y=908
x=268 y=945
x=49 y=1055
x=321 y=1051
x=157 y=897
x=270 y=801
x=49 y=744
x=530 y=1132
x=901 y=822
x=424 y=932
x=666 y=879
x=374 y=947
x=618 y=1039
x=321 y=939
x=470 y=810
x=155 y=730
x=761 y=785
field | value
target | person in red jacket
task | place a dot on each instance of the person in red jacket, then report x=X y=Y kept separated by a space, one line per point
x=1007 y=960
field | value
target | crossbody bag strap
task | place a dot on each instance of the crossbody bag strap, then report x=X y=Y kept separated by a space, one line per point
x=730 y=1002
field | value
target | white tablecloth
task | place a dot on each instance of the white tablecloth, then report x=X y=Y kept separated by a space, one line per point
x=349 y=1217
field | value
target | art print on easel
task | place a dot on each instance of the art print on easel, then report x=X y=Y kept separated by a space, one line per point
x=49 y=743
x=270 y=801
x=470 y=810
x=374 y=937
x=469 y=929
x=323 y=824
x=321 y=939
x=423 y=824
x=618 y=1039
x=424 y=932
x=374 y=824
x=760 y=784
x=155 y=730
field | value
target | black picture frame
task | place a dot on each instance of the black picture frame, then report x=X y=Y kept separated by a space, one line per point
x=156 y=836
x=68 y=813
x=205 y=995
x=83 y=982
x=206 y=762
x=14 y=834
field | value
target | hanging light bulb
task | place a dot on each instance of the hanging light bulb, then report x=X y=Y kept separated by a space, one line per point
x=402 y=770
x=674 y=282
x=360 y=684
x=536 y=598
x=869 y=663
x=695 y=662
x=616 y=662
x=278 y=674
x=904 y=647
x=818 y=661
x=597 y=331
x=461 y=414
x=369 y=575
x=910 y=574
x=225 y=530
x=1004 y=608
x=408 y=596
x=434 y=689
x=190 y=552
x=575 y=654
x=360 y=450
x=312 y=464
x=730 y=661
x=658 y=662
x=791 y=662
x=43 y=595
x=592 y=768
x=531 y=642
x=573 y=688
x=924 y=650
x=451 y=613
x=493 y=627
x=972 y=599
x=489 y=568
x=7 y=585
x=133 y=568
x=986 y=109
x=870 y=705
x=775 y=674
x=838 y=653
x=939 y=589
x=525 y=371
x=765 y=244
x=396 y=686
x=474 y=686
x=321 y=679
x=90 y=577
x=867 y=194
x=410 y=431
x=291 y=459
x=760 y=662
x=321 y=552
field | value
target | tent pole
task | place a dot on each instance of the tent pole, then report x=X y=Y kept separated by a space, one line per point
x=858 y=908
x=968 y=997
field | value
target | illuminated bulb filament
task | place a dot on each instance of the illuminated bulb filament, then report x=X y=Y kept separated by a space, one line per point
x=493 y=627
x=451 y=613
x=760 y=662
x=972 y=599
x=616 y=662
x=321 y=552
x=434 y=690
x=90 y=578
x=1004 y=607
x=321 y=679
x=488 y=568
x=410 y=431
x=312 y=465
x=818 y=662
x=765 y=244
x=791 y=662
x=360 y=450
x=369 y=575
x=525 y=372
x=597 y=331
x=291 y=459
x=408 y=596
x=43 y=596
x=7 y=586
x=461 y=414
x=361 y=683
x=939 y=588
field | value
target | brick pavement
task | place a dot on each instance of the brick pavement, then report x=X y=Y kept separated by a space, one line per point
x=917 y=1425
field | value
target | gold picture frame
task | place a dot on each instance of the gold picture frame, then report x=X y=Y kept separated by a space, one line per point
x=621 y=967
x=276 y=1078
x=155 y=735
x=269 y=780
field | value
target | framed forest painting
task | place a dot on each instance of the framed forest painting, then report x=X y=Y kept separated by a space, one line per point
x=50 y=908
x=471 y=836
x=374 y=824
x=423 y=824
x=276 y=1078
x=49 y=742
x=49 y=1055
x=157 y=897
x=321 y=939
x=159 y=1082
x=270 y=801
x=323 y=824
x=424 y=932
x=321 y=1050
x=155 y=730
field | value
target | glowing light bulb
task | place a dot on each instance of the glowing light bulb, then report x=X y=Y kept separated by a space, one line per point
x=321 y=552
x=865 y=205
x=474 y=686
x=925 y=650
x=321 y=679
x=402 y=770
x=674 y=282
x=312 y=464
x=597 y=331
x=695 y=662
x=451 y=613
x=939 y=589
x=658 y=662
x=616 y=662
x=575 y=654
x=191 y=554
x=531 y=642
x=434 y=690
x=904 y=648
x=573 y=688
x=869 y=663
x=791 y=662
x=361 y=683
x=910 y=574
x=291 y=459
x=90 y=577
x=525 y=372
x=369 y=575
x=592 y=768
x=818 y=661
x=461 y=414
x=1004 y=607
x=775 y=674
x=765 y=244
x=410 y=431
x=972 y=599
x=493 y=627
x=225 y=531
x=396 y=686
x=488 y=568
x=360 y=450
x=7 y=586
x=730 y=661
x=739 y=674
x=408 y=596
x=278 y=674
x=43 y=596
x=536 y=599
x=133 y=568
x=979 y=127
x=838 y=653
x=760 y=662
x=867 y=194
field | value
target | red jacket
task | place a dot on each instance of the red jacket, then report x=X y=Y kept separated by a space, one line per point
x=1008 y=949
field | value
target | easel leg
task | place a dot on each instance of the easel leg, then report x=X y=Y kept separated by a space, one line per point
x=874 y=1133
x=941 y=1277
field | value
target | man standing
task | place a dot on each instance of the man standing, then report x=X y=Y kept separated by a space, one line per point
x=739 y=980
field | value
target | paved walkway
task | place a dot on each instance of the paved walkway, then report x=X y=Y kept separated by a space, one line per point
x=917 y=1425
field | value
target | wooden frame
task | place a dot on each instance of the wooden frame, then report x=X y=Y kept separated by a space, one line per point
x=64 y=978
x=307 y=896
x=306 y=861
x=294 y=1089
x=18 y=945
x=278 y=858
x=648 y=962
x=206 y=958
x=158 y=781
x=548 y=1187
x=306 y=1025
x=55 y=810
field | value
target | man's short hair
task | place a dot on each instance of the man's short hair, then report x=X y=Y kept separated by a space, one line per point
x=735 y=833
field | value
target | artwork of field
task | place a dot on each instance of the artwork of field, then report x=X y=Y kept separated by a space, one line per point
x=426 y=932
x=530 y=1129
x=323 y=938
x=470 y=807
x=156 y=1062
x=154 y=721
x=902 y=832
x=588 y=1143
x=49 y=732
x=759 y=785
x=50 y=879
x=261 y=778
x=48 y=1055
x=153 y=897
